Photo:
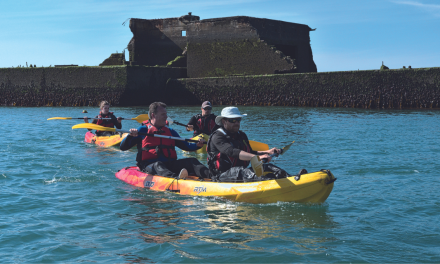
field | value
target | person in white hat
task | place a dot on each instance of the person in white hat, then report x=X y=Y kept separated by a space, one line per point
x=204 y=122
x=229 y=152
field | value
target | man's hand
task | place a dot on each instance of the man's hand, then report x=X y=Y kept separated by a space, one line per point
x=133 y=132
x=274 y=151
x=86 y=119
x=201 y=142
x=119 y=119
x=189 y=128
x=266 y=156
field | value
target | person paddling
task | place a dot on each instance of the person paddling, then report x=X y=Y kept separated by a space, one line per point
x=204 y=122
x=105 y=113
x=158 y=155
x=229 y=152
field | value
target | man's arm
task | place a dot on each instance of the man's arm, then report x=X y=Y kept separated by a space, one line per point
x=129 y=141
x=115 y=121
x=219 y=140
x=221 y=143
x=192 y=124
x=184 y=145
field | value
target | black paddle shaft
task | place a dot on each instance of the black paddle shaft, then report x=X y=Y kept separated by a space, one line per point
x=180 y=124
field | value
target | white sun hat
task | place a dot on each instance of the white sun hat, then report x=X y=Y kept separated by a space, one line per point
x=228 y=112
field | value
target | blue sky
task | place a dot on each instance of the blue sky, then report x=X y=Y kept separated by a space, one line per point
x=350 y=35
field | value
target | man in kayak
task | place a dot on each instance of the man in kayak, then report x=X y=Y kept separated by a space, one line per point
x=229 y=152
x=158 y=156
x=104 y=112
x=204 y=122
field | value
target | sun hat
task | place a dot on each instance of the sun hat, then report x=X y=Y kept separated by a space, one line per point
x=228 y=112
x=206 y=104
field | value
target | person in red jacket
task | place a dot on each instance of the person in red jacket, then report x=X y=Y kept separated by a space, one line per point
x=204 y=122
x=105 y=113
x=157 y=155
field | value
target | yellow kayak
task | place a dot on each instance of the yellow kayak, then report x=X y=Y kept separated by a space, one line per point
x=105 y=141
x=312 y=187
x=257 y=146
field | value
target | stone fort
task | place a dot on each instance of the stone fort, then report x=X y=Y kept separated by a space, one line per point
x=229 y=61
x=217 y=47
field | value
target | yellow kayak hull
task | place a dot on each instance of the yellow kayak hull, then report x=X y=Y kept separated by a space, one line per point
x=313 y=187
x=106 y=141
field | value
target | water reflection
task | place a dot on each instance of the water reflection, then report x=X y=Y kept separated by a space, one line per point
x=283 y=227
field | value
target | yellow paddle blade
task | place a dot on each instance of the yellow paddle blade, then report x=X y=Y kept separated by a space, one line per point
x=257 y=165
x=141 y=118
x=286 y=148
x=62 y=118
x=258 y=146
x=94 y=126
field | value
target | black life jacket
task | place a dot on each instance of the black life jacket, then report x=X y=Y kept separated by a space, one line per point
x=153 y=147
x=205 y=124
x=218 y=162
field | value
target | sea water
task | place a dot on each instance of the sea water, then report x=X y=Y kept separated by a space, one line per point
x=60 y=200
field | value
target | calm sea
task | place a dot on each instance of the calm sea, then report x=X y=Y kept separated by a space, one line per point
x=60 y=200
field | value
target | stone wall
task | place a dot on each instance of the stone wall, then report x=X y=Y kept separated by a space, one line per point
x=242 y=57
x=388 y=89
x=247 y=45
x=222 y=46
x=157 y=41
x=80 y=86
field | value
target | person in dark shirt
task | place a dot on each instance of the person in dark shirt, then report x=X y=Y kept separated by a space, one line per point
x=229 y=152
x=204 y=122
x=105 y=113
x=157 y=155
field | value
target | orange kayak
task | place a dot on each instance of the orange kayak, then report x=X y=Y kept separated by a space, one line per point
x=312 y=187
x=106 y=141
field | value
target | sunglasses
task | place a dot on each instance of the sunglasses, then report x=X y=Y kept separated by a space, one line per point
x=207 y=108
x=233 y=120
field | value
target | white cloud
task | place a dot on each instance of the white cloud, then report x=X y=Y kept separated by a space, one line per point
x=434 y=8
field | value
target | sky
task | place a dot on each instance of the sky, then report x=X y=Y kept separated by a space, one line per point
x=350 y=34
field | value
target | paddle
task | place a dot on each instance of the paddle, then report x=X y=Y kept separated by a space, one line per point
x=257 y=163
x=171 y=121
x=283 y=150
x=255 y=145
x=139 y=118
x=101 y=128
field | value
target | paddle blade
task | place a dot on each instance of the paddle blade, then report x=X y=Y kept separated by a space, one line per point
x=257 y=165
x=141 y=118
x=258 y=146
x=62 y=118
x=286 y=148
x=94 y=126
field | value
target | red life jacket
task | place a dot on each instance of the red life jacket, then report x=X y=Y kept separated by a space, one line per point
x=153 y=147
x=206 y=124
x=218 y=162
x=105 y=123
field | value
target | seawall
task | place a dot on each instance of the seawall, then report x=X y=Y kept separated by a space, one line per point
x=386 y=89
x=141 y=85
x=80 y=86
